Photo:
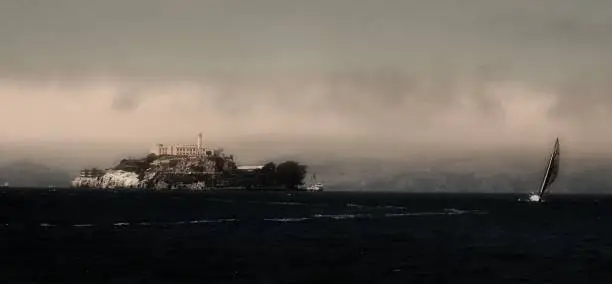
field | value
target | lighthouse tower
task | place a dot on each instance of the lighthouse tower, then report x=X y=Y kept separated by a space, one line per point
x=200 y=141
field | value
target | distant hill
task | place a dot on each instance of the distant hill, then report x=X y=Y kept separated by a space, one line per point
x=25 y=173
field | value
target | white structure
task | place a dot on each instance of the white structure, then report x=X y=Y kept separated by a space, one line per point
x=250 y=168
x=184 y=149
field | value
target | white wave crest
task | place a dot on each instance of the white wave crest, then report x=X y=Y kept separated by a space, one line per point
x=287 y=219
x=393 y=207
x=455 y=211
x=213 y=221
x=414 y=214
x=448 y=211
x=342 y=216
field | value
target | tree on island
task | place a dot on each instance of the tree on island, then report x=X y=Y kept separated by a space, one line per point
x=267 y=176
x=290 y=174
x=150 y=158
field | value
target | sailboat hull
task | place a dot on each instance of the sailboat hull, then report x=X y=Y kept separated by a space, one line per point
x=535 y=198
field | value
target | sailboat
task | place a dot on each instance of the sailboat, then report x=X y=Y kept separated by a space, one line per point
x=552 y=170
x=316 y=186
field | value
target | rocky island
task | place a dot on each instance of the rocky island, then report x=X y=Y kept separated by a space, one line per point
x=191 y=166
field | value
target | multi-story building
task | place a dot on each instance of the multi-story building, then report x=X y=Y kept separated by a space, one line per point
x=182 y=149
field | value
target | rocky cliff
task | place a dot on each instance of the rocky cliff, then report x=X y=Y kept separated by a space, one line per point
x=124 y=179
x=157 y=173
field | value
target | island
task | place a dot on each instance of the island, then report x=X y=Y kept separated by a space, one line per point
x=192 y=166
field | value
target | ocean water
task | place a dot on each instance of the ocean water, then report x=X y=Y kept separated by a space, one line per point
x=68 y=236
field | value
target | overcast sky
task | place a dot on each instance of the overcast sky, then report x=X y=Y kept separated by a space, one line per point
x=450 y=74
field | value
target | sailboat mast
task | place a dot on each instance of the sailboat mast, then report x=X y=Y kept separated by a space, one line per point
x=552 y=155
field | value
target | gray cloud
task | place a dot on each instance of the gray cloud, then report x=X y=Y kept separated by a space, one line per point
x=397 y=76
x=126 y=100
x=567 y=25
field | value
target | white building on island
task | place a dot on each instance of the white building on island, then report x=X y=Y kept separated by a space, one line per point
x=185 y=149
x=250 y=168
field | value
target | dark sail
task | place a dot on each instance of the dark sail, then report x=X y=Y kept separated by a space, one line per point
x=552 y=170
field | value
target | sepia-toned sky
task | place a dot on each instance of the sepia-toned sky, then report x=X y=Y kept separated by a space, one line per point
x=399 y=75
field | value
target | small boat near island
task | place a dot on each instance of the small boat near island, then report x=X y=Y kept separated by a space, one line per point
x=314 y=186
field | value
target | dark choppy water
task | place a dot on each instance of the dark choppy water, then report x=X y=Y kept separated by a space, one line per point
x=244 y=237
